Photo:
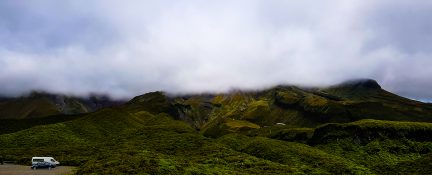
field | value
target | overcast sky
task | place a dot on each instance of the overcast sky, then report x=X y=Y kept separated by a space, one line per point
x=126 y=48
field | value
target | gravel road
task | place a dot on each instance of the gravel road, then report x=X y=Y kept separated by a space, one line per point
x=11 y=169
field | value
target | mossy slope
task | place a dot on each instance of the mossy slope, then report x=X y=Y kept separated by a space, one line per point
x=115 y=141
x=241 y=133
x=385 y=147
x=292 y=106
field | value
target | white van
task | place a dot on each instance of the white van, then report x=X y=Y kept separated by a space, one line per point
x=48 y=162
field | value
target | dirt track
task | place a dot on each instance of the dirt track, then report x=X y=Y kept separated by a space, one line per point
x=11 y=169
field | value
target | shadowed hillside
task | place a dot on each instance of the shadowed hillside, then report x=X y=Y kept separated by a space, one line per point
x=41 y=104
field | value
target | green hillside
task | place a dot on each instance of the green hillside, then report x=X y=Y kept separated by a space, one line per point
x=352 y=128
x=382 y=146
x=295 y=107
x=116 y=141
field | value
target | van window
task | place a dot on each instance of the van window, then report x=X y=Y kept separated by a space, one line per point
x=38 y=160
x=52 y=160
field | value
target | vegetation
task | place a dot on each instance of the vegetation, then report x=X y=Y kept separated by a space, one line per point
x=14 y=125
x=282 y=130
x=382 y=146
x=306 y=159
x=114 y=141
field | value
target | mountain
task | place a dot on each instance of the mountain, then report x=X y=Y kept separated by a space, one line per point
x=41 y=104
x=218 y=114
x=355 y=127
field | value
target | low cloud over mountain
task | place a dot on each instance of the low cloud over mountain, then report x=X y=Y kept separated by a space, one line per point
x=128 y=48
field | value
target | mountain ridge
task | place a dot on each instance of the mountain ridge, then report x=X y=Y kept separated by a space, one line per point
x=291 y=105
x=39 y=104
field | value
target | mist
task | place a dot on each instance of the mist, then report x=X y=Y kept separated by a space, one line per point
x=128 y=48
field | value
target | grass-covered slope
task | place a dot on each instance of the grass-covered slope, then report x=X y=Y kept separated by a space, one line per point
x=282 y=130
x=291 y=106
x=308 y=159
x=115 y=141
x=366 y=130
x=385 y=147
x=367 y=98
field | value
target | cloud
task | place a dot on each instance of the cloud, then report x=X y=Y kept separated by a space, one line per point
x=129 y=48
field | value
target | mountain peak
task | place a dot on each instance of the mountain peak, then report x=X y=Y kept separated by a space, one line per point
x=148 y=97
x=361 y=83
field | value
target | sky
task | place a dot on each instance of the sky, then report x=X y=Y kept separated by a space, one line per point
x=127 y=48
